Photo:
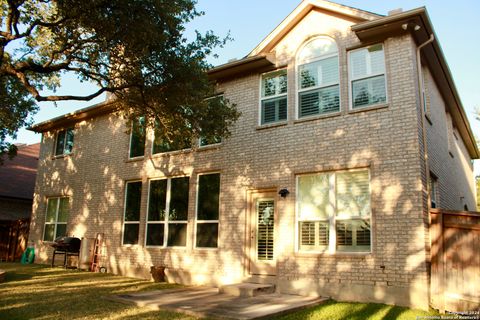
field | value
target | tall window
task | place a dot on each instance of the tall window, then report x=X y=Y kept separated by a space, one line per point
x=213 y=102
x=334 y=211
x=137 y=138
x=318 y=78
x=433 y=191
x=131 y=221
x=64 y=142
x=167 y=212
x=274 y=97
x=207 y=211
x=56 y=218
x=367 y=76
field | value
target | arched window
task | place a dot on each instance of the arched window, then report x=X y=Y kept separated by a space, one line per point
x=318 y=78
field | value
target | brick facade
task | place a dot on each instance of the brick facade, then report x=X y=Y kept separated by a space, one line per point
x=384 y=139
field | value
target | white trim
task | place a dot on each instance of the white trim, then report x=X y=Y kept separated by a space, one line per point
x=351 y=79
x=64 y=142
x=124 y=211
x=304 y=62
x=332 y=218
x=166 y=222
x=196 y=221
x=55 y=223
x=261 y=98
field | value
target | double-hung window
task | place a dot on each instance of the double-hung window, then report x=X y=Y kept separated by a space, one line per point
x=208 y=195
x=137 y=138
x=213 y=102
x=64 y=142
x=318 y=81
x=334 y=211
x=273 y=105
x=167 y=217
x=367 y=76
x=131 y=221
x=56 y=218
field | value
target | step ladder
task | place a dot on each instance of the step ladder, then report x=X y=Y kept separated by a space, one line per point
x=97 y=255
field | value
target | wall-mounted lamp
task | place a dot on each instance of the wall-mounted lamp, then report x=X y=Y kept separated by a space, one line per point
x=283 y=193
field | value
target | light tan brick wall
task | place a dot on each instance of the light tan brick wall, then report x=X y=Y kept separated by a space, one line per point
x=384 y=139
x=449 y=160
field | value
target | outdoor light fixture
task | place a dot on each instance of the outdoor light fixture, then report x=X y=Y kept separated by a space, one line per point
x=283 y=193
x=414 y=26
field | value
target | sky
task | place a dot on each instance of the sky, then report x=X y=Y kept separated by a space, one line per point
x=249 y=21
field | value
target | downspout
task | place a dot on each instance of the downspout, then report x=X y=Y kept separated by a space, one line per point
x=422 y=108
x=425 y=154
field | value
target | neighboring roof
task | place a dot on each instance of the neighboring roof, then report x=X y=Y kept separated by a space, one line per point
x=17 y=176
x=382 y=28
x=300 y=12
x=73 y=117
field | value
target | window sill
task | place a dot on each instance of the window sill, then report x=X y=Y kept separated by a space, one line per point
x=359 y=255
x=170 y=153
x=61 y=156
x=135 y=159
x=271 y=125
x=205 y=249
x=317 y=117
x=369 y=108
x=213 y=146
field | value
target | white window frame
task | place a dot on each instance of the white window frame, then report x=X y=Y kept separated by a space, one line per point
x=64 y=142
x=167 y=221
x=433 y=187
x=125 y=210
x=298 y=90
x=276 y=96
x=56 y=223
x=351 y=79
x=197 y=221
x=220 y=95
x=332 y=218
x=130 y=144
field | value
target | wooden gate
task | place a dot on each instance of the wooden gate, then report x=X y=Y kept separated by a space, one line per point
x=13 y=239
x=455 y=268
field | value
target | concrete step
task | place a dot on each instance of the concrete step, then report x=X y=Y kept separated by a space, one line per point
x=247 y=289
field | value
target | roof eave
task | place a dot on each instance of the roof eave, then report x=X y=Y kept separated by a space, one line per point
x=392 y=26
x=260 y=63
x=78 y=115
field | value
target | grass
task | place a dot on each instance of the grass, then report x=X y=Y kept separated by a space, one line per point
x=40 y=292
x=333 y=310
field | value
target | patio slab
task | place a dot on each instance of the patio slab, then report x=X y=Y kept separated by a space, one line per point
x=208 y=302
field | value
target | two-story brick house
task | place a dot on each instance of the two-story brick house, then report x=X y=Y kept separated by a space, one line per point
x=323 y=188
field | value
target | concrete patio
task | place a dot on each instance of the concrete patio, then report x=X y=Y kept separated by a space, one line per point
x=208 y=302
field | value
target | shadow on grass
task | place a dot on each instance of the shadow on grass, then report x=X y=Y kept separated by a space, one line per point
x=40 y=292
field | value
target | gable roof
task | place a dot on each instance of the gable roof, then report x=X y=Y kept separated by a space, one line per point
x=18 y=175
x=300 y=12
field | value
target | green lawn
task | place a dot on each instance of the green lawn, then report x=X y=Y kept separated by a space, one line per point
x=40 y=292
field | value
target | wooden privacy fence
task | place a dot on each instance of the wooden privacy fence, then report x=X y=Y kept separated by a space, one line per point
x=13 y=239
x=455 y=268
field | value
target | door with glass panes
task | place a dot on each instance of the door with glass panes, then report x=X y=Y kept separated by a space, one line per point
x=262 y=218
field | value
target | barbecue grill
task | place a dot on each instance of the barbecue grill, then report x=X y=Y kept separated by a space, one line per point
x=68 y=246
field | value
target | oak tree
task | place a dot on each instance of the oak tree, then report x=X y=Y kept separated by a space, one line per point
x=135 y=50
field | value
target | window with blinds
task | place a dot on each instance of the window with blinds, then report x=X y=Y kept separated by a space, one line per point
x=265 y=229
x=318 y=78
x=367 y=76
x=273 y=97
x=333 y=211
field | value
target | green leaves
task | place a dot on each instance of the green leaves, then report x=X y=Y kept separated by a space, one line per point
x=135 y=49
